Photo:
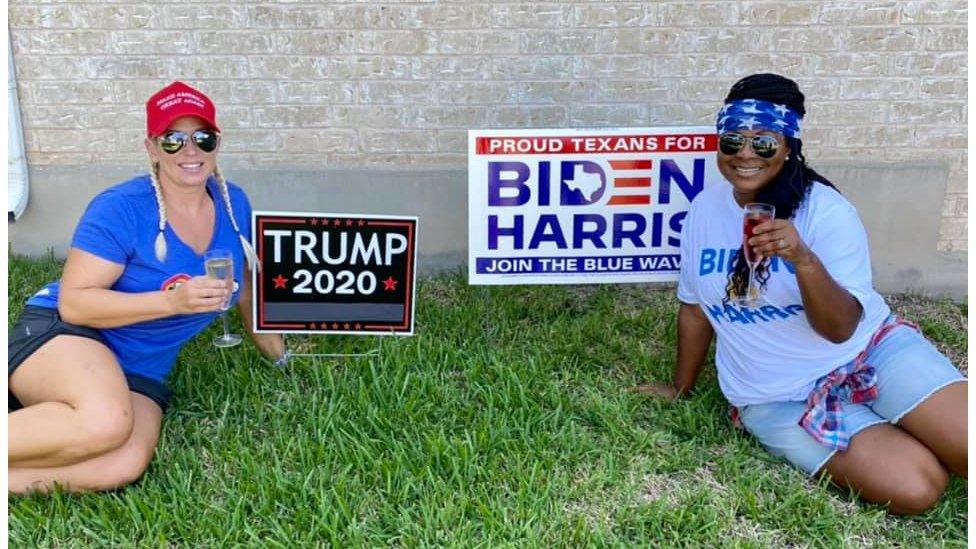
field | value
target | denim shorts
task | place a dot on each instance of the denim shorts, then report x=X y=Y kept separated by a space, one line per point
x=38 y=325
x=909 y=370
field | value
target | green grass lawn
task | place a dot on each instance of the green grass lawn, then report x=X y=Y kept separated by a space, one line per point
x=505 y=421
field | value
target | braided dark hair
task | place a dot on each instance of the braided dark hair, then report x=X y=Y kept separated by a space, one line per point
x=791 y=185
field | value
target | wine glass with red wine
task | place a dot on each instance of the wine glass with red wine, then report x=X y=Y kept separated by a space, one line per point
x=753 y=215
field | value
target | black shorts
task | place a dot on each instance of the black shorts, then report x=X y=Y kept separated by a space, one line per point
x=38 y=325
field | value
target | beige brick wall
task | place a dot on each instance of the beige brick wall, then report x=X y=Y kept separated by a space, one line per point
x=360 y=84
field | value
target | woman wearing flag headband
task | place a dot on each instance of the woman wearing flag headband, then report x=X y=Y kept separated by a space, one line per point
x=88 y=359
x=821 y=372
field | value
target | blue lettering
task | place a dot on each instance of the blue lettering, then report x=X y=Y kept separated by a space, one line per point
x=751 y=315
x=733 y=255
x=580 y=233
x=496 y=183
x=720 y=260
x=671 y=172
x=657 y=221
x=544 y=183
x=774 y=265
x=707 y=262
x=794 y=309
x=715 y=311
x=633 y=234
x=735 y=316
x=771 y=311
x=548 y=230
x=748 y=315
x=494 y=231
x=675 y=224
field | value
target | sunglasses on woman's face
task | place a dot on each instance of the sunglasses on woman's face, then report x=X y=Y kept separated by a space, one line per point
x=765 y=146
x=174 y=141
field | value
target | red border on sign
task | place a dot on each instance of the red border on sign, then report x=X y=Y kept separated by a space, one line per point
x=595 y=144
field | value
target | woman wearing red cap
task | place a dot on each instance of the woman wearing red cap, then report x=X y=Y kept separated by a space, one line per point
x=87 y=360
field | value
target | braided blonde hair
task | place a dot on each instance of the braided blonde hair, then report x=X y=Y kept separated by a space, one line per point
x=160 y=245
x=161 y=237
x=249 y=254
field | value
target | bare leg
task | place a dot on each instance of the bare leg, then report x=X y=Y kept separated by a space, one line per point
x=77 y=404
x=116 y=468
x=941 y=423
x=884 y=464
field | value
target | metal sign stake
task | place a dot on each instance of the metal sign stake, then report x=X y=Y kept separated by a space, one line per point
x=375 y=352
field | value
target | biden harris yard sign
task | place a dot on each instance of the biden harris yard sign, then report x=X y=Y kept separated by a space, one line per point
x=334 y=273
x=582 y=206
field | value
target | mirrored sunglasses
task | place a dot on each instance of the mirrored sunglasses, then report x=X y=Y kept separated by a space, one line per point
x=174 y=141
x=765 y=146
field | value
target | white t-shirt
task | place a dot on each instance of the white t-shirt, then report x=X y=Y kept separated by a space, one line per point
x=771 y=353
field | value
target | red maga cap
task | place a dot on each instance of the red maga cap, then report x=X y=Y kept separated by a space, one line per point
x=174 y=101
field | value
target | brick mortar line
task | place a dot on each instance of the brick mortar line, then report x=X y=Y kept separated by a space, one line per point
x=690 y=26
x=464 y=29
x=596 y=54
x=493 y=57
x=491 y=8
x=825 y=27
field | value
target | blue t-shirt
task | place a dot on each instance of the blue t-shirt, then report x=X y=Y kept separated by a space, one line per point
x=120 y=225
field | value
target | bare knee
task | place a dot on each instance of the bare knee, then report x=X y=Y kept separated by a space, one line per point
x=888 y=467
x=106 y=427
x=919 y=490
x=117 y=469
x=958 y=460
x=126 y=467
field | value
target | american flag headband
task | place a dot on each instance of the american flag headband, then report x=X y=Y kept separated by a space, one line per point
x=756 y=114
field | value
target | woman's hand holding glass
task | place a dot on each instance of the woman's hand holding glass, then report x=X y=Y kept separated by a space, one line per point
x=200 y=294
x=779 y=238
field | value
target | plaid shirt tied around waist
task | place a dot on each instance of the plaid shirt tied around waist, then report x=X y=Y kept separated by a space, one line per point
x=854 y=382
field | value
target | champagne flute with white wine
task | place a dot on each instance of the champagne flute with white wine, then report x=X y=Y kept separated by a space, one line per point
x=220 y=265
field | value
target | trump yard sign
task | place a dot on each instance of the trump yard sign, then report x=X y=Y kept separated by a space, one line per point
x=334 y=273
x=582 y=206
